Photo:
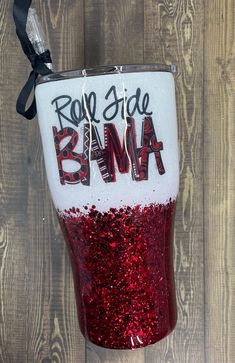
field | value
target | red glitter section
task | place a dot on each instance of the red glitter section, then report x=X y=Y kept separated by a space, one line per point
x=123 y=272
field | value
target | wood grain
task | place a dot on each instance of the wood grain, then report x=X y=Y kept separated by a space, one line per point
x=219 y=151
x=38 y=319
x=113 y=32
x=173 y=35
x=14 y=200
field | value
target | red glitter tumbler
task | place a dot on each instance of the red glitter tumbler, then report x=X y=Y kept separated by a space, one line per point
x=110 y=147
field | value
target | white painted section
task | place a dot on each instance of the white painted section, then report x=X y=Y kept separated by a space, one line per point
x=125 y=191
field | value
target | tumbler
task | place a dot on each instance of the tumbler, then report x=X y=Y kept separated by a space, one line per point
x=109 y=138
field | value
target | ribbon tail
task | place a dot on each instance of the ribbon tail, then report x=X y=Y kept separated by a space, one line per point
x=24 y=95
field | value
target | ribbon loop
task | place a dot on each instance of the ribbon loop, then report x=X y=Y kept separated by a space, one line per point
x=38 y=61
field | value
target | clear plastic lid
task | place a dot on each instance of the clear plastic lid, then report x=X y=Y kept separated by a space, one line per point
x=105 y=70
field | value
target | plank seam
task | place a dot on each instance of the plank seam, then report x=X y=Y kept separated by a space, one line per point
x=203 y=170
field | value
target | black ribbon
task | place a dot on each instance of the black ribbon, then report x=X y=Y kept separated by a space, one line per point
x=20 y=14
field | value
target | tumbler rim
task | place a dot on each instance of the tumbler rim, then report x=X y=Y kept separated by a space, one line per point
x=106 y=70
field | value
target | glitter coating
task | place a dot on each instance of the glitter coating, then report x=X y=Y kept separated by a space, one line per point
x=123 y=273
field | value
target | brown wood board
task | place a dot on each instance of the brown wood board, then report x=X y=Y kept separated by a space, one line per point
x=38 y=319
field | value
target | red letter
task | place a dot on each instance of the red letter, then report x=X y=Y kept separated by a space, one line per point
x=149 y=145
x=82 y=175
x=113 y=148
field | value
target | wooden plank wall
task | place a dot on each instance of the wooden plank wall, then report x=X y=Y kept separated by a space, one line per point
x=219 y=181
x=38 y=322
